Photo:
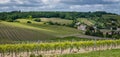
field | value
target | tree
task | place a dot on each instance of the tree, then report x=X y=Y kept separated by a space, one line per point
x=30 y=17
x=29 y=22
x=37 y=20
x=88 y=32
x=9 y=20
x=50 y=23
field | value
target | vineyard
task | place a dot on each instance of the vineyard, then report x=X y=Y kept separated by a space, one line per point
x=17 y=50
x=13 y=33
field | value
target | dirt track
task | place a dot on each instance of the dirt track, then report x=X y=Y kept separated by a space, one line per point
x=83 y=36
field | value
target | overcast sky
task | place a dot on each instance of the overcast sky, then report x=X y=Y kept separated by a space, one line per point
x=61 y=5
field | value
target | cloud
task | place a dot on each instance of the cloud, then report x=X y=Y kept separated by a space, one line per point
x=111 y=0
x=4 y=1
x=50 y=1
x=89 y=2
x=61 y=5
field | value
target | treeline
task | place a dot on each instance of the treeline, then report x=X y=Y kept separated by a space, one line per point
x=65 y=15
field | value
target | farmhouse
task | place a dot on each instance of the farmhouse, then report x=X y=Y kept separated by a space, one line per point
x=81 y=26
x=118 y=29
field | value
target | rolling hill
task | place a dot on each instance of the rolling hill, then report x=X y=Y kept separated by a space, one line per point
x=11 y=31
x=15 y=31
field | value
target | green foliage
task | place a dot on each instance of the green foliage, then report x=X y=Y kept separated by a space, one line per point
x=30 y=17
x=29 y=22
x=113 y=34
x=64 y=15
x=39 y=56
x=94 y=32
x=50 y=23
x=32 y=55
x=57 y=45
x=9 y=20
x=88 y=32
x=99 y=33
x=104 y=18
x=16 y=21
x=23 y=47
x=37 y=20
x=73 y=23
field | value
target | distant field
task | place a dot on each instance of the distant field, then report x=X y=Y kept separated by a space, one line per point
x=86 y=21
x=105 y=53
x=25 y=21
x=58 y=20
x=112 y=16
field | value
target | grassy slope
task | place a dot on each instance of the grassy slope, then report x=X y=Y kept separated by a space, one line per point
x=113 y=16
x=64 y=21
x=86 y=21
x=51 y=29
x=58 y=20
x=106 y=53
x=36 y=30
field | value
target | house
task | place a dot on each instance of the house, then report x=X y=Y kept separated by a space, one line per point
x=81 y=26
x=118 y=29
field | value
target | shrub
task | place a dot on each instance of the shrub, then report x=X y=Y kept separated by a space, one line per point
x=88 y=32
x=16 y=21
x=37 y=20
x=29 y=22
x=39 y=56
x=63 y=24
x=57 y=23
x=9 y=20
x=32 y=55
x=50 y=23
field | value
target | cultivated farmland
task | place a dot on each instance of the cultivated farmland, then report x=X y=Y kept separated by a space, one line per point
x=17 y=33
x=33 y=32
x=58 y=34
x=17 y=50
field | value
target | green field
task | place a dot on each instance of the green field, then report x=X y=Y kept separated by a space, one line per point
x=65 y=21
x=86 y=21
x=22 y=31
x=58 y=20
x=117 y=17
x=105 y=53
x=40 y=31
x=55 y=29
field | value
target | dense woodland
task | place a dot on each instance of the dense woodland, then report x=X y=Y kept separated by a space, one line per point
x=65 y=15
x=96 y=16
